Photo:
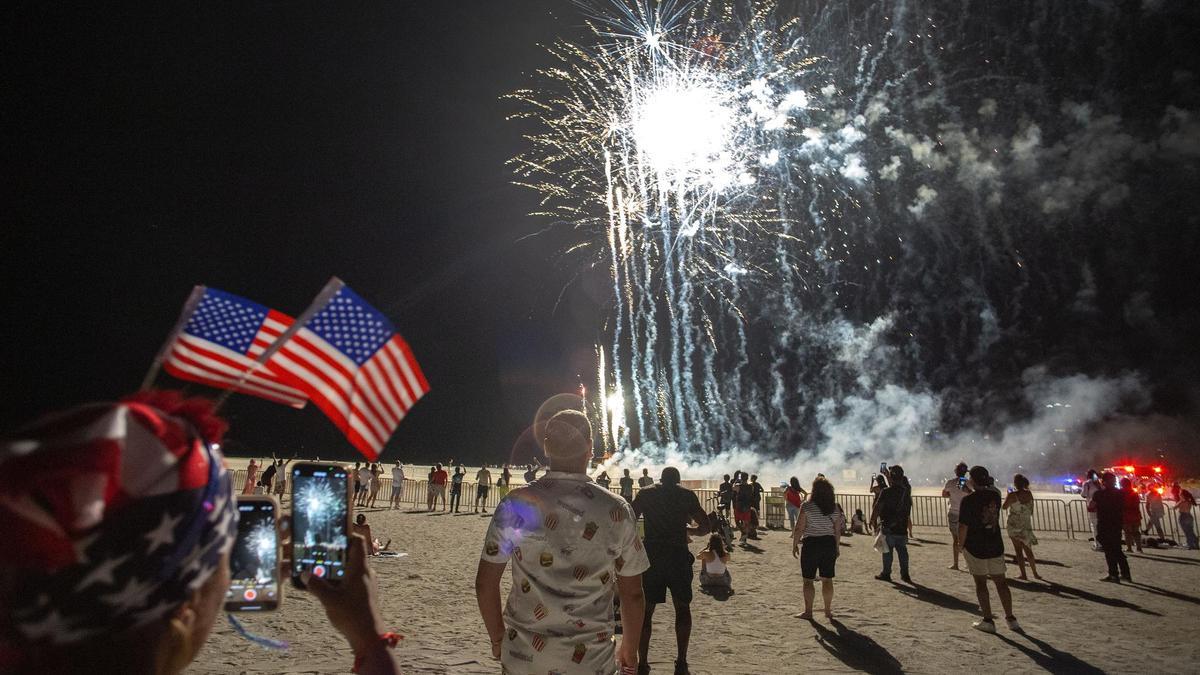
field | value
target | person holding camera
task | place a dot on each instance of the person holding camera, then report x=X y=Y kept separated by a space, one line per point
x=119 y=559
x=890 y=515
x=956 y=488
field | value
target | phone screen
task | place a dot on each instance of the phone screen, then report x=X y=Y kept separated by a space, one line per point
x=883 y=467
x=254 y=563
x=320 y=519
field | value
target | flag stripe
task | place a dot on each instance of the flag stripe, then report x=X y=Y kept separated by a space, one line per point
x=328 y=399
x=228 y=364
x=353 y=365
x=398 y=384
x=185 y=371
x=421 y=384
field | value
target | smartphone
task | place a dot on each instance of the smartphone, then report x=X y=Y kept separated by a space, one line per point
x=320 y=520
x=962 y=482
x=254 y=563
x=883 y=468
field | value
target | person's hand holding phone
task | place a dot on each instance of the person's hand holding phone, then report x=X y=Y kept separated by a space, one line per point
x=351 y=604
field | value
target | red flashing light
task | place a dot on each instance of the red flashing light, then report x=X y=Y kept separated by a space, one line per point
x=1128 y=469
x=1160 y=490
x=1158 y=469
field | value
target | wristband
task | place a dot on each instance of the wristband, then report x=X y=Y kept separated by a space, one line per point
x=388 y=640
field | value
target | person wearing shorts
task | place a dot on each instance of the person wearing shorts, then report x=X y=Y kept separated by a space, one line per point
x=982 y=539
x=743 y=495
x=955 y=489
x=819 y=528
x=669 y=510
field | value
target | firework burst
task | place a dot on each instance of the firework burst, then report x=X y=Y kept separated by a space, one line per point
x=669 y=143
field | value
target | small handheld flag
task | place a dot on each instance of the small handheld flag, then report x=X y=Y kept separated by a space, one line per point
x=348 y=358
x=219 y=342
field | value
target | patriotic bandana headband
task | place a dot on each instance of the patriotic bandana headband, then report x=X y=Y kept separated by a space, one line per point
x=112 y=515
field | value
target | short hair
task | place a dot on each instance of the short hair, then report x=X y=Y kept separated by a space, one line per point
x=980 y=476
x=1108 y=478
x=961 y=469
x=568 y=434
x=670 y=476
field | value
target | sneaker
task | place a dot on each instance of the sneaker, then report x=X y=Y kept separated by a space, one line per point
x=1111 y=579
x=1126 y=577
x=1012 y=624
x=907 y=579
x=985 y=625
x=883 y=577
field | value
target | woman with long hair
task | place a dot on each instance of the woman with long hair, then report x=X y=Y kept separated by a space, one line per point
x=819 y=528
x=794 y=499
x=1186 y=506
x=1020 y=524
x=714 y=563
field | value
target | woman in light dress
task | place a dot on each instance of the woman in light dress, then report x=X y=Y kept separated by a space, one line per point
x=1020 y=525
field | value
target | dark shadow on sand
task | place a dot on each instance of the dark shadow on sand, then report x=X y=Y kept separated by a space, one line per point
x=1159 y=558
x=1061 y=591
x=751 y=548
x=1049 y=658
x=856 y=650
x=718 y=593
x=936 y=597
x=1012 y=560
x=1174 y=595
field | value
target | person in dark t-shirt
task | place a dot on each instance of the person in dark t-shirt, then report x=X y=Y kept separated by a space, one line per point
x=890 y=515
x=669 y=510
x=1110 y=522
x=981 y=534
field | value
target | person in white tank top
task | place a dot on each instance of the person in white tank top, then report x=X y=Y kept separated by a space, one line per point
x=714 y=563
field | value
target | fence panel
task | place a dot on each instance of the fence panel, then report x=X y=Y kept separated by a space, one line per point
x=1050 y=515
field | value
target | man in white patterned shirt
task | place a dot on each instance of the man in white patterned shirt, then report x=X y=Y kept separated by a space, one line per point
x=571 y=543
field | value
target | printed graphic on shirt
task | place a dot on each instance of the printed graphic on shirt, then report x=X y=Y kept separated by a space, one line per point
x=560 y=609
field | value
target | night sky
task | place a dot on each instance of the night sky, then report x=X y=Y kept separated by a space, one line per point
x=260 y=150
x=263 y=148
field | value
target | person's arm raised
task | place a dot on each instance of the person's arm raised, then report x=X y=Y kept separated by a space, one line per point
x=487 y=592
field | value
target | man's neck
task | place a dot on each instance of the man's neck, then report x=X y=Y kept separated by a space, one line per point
x=567 y=466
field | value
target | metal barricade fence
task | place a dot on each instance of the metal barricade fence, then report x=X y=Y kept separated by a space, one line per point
x=1077 y=516
x=1050 y=515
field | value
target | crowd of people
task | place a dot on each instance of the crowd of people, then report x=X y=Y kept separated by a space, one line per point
x=573 y=544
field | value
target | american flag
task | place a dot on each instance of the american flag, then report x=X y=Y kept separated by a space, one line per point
x=220 y=342
x=349 y=359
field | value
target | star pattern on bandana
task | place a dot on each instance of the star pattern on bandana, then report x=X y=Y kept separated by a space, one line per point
x=102 y=573
x=164 y=533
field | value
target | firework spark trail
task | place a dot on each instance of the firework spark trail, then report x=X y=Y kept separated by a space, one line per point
x=770 y=188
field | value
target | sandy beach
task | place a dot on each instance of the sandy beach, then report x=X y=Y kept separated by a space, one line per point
x=1072 y=622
